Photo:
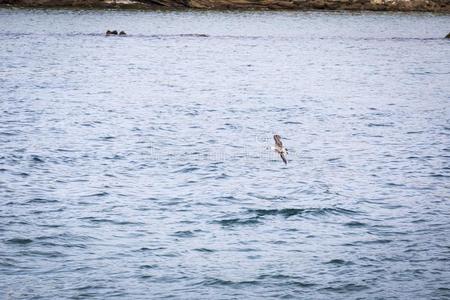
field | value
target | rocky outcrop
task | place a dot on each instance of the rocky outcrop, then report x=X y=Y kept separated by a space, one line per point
x=79 y=3
x=447 y=36
x=397 y=5
x=392 y=5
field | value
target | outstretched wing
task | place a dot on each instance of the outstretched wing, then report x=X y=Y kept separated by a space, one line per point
x=283 y=157
x=278 y=142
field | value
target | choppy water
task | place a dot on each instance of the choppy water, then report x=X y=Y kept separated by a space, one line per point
x=137 y=168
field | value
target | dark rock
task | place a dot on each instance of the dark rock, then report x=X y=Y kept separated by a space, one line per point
x=109 y=32
x=447 y=36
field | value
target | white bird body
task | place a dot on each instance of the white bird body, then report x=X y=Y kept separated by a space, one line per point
x=279 y=148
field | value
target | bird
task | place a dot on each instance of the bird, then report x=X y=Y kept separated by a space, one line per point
x=279 y=148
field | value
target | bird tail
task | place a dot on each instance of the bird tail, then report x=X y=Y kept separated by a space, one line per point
x=283 y=157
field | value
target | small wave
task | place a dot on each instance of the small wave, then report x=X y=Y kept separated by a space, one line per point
x=148 y=267
x=65 y=245
x=184 y=234
x=8 y=263
x=413 y=157
x=339 y=262
x=51 y=225
x=22 y=174
x=351 y=287
x=107 y=138
x=193 y=35
x=415 y=132
x=271 y=198
x=95 y=220
x=287 y=279
x=161 y=36
x=355 y=224
x=101 y=194
x=395 y=184
x=65 y=150
x=237 y=221
x=380 y=125
x=302 y=284
x=145 y=249
x=222 y=282
x=444 y=289
x=19 y=241
x=187 y=170
x=333 y=159
x=9 y=133
x=276 y=276
x=439 y=176
x=36 y=159
x=86 y=287
x=288 y=212
x=222 y=176
x=226 y=198
x=380 y=241
x=206 y=250
x=284 y=212
x=42 y=200
x=51 y=254
x=38 y=212
x=114 y=157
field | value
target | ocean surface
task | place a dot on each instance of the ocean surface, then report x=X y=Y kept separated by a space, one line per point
x=139 y=167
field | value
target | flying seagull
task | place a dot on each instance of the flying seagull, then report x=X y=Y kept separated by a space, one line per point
x=279 y=148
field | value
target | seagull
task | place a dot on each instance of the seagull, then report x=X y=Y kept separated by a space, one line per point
x=279 y=148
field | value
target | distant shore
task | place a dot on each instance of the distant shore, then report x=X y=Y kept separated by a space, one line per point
x=441 y=6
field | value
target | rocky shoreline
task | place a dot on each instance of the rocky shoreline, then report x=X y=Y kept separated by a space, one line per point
x=441 y=6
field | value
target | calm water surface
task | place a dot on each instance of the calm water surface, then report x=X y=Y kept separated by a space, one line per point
x=138 y=168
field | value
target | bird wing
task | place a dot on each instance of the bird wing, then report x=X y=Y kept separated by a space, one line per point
x=278 y=142
x=283 y=157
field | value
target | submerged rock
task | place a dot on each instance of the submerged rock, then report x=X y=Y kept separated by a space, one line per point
x=114 y=32
x=109 y=32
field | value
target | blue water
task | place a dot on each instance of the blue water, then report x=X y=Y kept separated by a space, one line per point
x=139 y=167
